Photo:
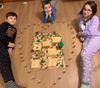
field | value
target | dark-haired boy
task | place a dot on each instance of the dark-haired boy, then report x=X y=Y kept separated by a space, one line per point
x=49 y=11
x=7 y=44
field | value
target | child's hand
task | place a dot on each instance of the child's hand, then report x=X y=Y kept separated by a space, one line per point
x=79 y=34
x=10 y=51
x=11 y=45
x=81 y=39
x=47 y=14
x=50 y=12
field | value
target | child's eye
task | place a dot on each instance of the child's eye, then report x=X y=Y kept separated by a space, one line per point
x=10 y=18
x=89 y=10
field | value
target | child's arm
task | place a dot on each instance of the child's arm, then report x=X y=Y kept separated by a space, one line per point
x=10 y=47
x=52 y=15
x=10 y=50
x=93 y=27
x=44 y=17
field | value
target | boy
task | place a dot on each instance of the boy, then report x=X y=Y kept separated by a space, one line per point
x=49 y=11
x=7 y=44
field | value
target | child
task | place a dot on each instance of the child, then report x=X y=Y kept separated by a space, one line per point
x=49 y=11
x=88 y=26
x=7 y=44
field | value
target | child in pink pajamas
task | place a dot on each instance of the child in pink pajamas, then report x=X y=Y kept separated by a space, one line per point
x=88 y=31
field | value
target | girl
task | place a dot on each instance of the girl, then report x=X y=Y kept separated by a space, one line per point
x=88 y=31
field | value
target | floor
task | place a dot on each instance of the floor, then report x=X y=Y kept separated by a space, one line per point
x=28 y=23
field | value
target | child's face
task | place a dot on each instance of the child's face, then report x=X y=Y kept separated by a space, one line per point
x=11 y=20
x=47 y=8
x=87 y=11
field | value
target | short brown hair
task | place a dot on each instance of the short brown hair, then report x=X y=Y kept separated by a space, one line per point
x=11 y=14
x=45 y=2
